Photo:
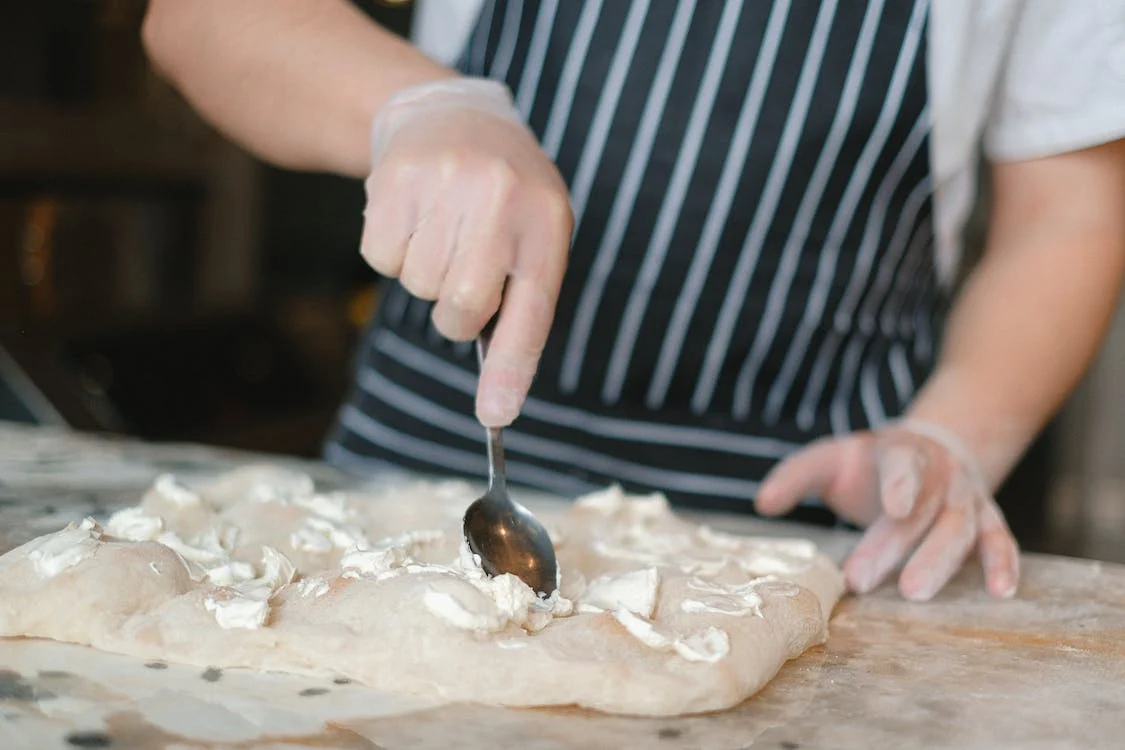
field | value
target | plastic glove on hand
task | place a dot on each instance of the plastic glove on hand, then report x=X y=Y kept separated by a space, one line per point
x=918 y=491
x=466 y=210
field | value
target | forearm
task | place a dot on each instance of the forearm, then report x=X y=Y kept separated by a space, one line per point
x=1034 y=312
x=295 y=81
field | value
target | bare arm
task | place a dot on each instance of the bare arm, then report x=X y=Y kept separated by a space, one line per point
x=1020 y=336
x=1034 y=312
x=297 y=82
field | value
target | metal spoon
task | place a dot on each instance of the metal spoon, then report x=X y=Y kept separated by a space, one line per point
x=506 y=536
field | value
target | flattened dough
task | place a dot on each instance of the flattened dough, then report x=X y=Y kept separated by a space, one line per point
x=656 y=616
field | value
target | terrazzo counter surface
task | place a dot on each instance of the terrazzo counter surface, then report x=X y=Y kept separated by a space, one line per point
x=1046 y=670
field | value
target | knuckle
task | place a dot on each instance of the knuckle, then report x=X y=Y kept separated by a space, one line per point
x=499 y=179
x=447 y=166
x=468 y=299
x=396 y=172
x=557 y=212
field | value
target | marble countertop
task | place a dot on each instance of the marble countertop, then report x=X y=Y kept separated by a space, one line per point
x=1046 y=670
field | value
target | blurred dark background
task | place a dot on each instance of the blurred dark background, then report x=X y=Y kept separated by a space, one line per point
x=154 y=279
x=157 y=281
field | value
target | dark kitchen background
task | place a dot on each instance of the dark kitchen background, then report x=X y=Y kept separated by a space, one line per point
x=158 y=282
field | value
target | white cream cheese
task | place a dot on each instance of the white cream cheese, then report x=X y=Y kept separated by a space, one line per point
x=134 y=525
x=284 y=487
x=205 y=551
x=509 y=588
x=245 y=604
x=449 y=607
x=763 y=556
x=635 y=591
x=736 y=599
x=279 y=570
x=489 y=606
x=607 y=501
x=332 y=506
x=390 y=556
x=375 y=562
x=229 y=573
x=54 y=553
x=314 y=587
x=612 y=501
x=501 y=600
x=273 y=485
x=233 y=612
x=632 y=535
x=709 y=645
x=778 y=561
x=318 y=534
x=169 y=488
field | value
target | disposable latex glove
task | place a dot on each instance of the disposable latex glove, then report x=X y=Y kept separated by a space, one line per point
x=465 y=209
x=916 y=488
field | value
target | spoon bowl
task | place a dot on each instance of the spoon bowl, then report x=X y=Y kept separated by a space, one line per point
x=509 y=539
x=503 y=533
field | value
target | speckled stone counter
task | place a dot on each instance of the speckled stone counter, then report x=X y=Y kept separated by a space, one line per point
x=1046 y=670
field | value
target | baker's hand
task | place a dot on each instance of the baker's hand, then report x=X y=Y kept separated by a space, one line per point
x=465 y=209
x=916 y=488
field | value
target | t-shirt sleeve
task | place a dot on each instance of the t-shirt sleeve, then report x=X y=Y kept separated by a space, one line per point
x=1063 y=85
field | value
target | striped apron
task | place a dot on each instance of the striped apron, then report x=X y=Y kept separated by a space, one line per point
x=752 y=264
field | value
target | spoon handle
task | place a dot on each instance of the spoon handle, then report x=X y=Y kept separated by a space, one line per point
x=496 y=475
x=497 y=479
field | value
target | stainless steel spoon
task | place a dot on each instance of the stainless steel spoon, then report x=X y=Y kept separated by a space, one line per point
x=506 y=536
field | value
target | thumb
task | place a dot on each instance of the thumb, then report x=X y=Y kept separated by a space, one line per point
x=809 y=472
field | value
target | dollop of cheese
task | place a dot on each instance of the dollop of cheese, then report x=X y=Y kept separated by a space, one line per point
x=460 y=593
x=134 y=525
x=53 y=553
x=634 y=591
x=708 y=645
x=245 y=604
x=169 y=488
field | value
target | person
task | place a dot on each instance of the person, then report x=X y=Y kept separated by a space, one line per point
x=719 y=243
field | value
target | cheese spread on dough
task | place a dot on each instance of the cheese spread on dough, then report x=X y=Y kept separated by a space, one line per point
x=635 y=591
x=708 y=645
x=53 y=553
x=245 y=604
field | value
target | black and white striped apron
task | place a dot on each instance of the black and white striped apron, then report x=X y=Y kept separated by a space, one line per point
x=752 y=262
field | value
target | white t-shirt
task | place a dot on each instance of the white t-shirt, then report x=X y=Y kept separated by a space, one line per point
x=1012 y=79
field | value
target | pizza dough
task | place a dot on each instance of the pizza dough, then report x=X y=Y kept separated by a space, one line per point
x=654 y=615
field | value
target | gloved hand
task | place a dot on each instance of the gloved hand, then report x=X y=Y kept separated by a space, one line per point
x=915 y=487
x=465 y=208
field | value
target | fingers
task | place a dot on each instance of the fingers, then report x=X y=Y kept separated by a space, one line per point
x=946 y=546
x=886 y=544
x=469 y=297
x=486 y=247
x=429 y=246
x=999 y=553
x=901 y=469
x=386 y=227
x=467 y=210
x=528 y=307
x=810 y=472
x=513 y=354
